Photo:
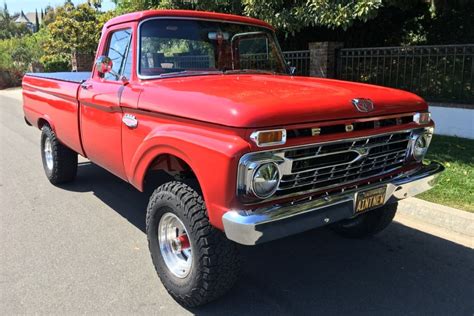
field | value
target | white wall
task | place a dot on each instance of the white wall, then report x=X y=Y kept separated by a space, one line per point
x=453 y=121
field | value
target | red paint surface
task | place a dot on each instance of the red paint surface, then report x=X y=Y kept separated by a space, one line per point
x=205 y=121
x=137 y=16
x=269 y=100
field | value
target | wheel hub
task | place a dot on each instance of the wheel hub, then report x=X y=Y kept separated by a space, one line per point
x=175 y=246
x=180 y=243
x=48 y=153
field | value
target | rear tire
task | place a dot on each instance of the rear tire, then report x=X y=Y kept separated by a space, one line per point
x=59 y=162
x=208 y=265
x=368 y=224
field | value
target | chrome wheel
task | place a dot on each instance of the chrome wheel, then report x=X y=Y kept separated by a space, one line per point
x=175 y=246
x=48 y=153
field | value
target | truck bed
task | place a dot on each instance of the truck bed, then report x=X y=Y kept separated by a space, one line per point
x=76 y=77
x=52 y=98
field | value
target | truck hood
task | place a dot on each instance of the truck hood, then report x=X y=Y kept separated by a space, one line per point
x=253 y=101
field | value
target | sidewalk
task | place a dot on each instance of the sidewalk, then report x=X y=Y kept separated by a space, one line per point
x=440 y=220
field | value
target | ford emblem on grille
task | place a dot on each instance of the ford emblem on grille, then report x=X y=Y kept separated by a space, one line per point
x=363 y=105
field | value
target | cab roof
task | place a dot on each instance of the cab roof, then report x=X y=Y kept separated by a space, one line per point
x=142 y=15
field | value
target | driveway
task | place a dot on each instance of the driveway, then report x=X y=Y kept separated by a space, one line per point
x=81 y=248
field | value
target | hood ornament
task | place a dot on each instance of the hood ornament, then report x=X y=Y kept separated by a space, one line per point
x=363 y=105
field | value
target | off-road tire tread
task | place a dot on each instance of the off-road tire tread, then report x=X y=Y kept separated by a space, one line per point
x=64 y=159
x=219 y=259
x=368 y=224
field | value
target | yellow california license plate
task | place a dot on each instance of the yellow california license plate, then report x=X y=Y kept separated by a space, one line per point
x=367 y=200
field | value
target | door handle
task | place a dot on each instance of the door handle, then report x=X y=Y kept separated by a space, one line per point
x=130 y=120
x=86 y=85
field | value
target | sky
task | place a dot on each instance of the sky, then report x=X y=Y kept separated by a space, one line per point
x=30 y=5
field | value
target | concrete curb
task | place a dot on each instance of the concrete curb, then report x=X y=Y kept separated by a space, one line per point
x=438 y=215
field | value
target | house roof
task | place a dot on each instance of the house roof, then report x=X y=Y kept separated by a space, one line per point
x=32 y=18
x=29 y=17
x=22 y=18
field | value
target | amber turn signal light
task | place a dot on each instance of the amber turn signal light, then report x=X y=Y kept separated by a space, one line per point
x=269 y=138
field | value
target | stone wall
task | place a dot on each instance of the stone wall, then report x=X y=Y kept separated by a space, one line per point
x=323 y=59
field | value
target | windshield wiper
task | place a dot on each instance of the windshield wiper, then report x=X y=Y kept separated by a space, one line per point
x=185 y=73
x=249 y=71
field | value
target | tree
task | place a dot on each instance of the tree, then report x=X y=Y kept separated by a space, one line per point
x=8 y=28
x=228 y=6
x=37 y=24
x=73 y=29
x=49 y=15
x=97 y=4
x=288 y=16
x=5 y=13
x=292 y=16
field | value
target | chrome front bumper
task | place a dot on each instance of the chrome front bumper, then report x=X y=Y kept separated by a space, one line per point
x=281 y=220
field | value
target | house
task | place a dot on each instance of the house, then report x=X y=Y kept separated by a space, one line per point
x=29 y=19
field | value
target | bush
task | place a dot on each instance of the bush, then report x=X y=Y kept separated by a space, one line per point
x=10 y=78
x=16 y=56
x=54 y=63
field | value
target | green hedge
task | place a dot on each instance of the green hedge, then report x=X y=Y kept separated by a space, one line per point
x=16 y=56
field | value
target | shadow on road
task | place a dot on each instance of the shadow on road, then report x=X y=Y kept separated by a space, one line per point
x=401 y=271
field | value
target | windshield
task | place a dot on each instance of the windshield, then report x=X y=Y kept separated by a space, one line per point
x=174 y=47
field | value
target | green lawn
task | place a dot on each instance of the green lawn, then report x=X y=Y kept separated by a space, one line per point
x=456 y=185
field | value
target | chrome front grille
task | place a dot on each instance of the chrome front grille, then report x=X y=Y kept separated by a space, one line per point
x=334 y=164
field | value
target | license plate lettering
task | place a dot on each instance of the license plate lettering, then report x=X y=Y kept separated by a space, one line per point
x=370 y=199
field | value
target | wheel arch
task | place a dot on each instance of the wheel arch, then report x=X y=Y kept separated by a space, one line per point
x=175 y=168
x=45 y=120
x=211 y=156
x=162 y=158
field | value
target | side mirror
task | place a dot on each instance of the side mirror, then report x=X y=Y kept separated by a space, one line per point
x=104 y=65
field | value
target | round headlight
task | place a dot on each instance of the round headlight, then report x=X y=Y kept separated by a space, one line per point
x=265 y=180
x=421 y=146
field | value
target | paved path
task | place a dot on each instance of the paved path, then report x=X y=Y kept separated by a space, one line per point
x=81 y=249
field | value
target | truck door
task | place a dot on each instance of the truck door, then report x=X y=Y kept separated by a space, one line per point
x=100 y=98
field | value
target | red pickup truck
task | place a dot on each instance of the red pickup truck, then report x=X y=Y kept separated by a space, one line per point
x=245 y=152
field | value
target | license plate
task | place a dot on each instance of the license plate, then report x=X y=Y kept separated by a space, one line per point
x=370 y=199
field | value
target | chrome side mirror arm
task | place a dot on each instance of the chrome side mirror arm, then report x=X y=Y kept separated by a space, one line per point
x=291 y=69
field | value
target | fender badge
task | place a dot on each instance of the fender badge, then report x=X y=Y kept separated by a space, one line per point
x=363 y=105
x=130 y=120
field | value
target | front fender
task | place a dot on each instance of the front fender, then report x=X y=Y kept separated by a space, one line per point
x=212 y=154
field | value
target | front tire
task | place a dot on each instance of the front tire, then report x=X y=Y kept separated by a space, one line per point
x=368 y=224
x=59 y=162
x=195 y=261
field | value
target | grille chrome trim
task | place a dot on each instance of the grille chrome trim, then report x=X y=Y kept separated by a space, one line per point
x=390 y=152
x=341 y=177
x=380 y=162
x=323 y=174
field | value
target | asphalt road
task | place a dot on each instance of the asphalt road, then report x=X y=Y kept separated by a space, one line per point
x=81 y=248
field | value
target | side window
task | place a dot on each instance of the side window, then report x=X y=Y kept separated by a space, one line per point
x=118 y=51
